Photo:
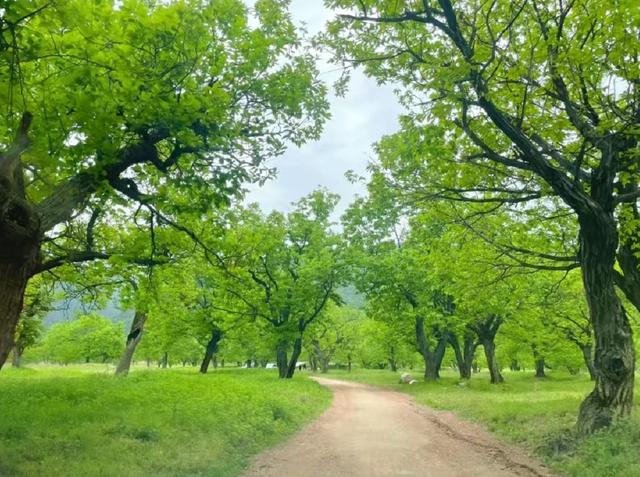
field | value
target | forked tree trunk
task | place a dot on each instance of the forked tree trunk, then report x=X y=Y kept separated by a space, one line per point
x=464 y=355
x=432 y=359
x=486 y=330
x=211 y=349
x=133 y=338
x=614 y=351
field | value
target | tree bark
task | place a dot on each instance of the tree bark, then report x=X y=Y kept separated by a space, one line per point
x=486 y=330
x=539 y=363
x=587 y=354
x=211 y=349
x=464 y=355
x=490 y=353
x=540 y=368
x=133 y=338
x=14 y=276
x=19 y=238
x=432 y=359
x=281 y=358
x=614 y=360
x=295 y=354
x=164 y=362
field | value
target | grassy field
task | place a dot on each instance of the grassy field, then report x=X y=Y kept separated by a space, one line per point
x=78 y=421
x=536 y=414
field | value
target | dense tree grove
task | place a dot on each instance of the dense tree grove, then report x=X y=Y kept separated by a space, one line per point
x=497 y=230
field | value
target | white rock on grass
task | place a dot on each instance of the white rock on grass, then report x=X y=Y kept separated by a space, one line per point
x=406 y=378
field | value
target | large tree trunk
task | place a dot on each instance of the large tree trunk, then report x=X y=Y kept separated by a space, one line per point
x=587 y=354
x=432 y=359
x=19 y=238
x=133 y=338
x=614 y=351
x=295 y=354
x=281 y=358
x=211 y=349
x=14 y=275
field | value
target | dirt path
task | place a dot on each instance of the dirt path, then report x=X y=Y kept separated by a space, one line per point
x=371 y=432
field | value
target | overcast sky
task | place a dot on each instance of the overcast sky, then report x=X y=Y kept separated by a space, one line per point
x=359 y=119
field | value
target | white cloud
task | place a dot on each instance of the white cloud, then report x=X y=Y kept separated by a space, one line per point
x=359 y=119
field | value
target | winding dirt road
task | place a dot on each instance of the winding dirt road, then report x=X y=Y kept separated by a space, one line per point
x=371 y=432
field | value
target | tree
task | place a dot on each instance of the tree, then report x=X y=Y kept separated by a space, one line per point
x=393 y=270
x=334 y=336
x=543 y=100
x=284 y=270
x=86 y=338
x=171 y=106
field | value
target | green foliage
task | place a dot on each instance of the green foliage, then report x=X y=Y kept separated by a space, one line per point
x=85 y=338
x=72 y=422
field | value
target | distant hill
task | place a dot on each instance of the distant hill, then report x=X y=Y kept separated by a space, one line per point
x=65 y=310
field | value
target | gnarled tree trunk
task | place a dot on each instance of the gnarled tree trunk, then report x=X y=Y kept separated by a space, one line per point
x=19 y=238
x=211 y=349
x=133 y=338
x=614 y=351
x=14 y=275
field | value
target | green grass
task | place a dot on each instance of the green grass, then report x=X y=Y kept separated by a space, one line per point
x=536 y=414
x=78 y=421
